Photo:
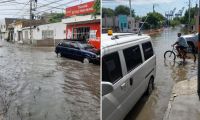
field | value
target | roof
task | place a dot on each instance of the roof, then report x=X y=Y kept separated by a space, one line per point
x=11 y=20
x=107 y=40
x=27 y=23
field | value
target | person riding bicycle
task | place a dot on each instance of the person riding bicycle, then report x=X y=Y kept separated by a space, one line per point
x=181 y=45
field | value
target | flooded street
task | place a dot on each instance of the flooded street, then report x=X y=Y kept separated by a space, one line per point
x=168 y=74
x=36 y=85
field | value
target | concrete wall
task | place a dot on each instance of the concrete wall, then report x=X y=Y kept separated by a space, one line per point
x=2 y=29
x=2 y=25
x=58 y=30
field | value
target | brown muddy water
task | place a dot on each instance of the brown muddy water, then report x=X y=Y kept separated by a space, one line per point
x=168 y=74
x=36 y=85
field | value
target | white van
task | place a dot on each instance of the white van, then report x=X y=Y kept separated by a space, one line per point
x=128 y=71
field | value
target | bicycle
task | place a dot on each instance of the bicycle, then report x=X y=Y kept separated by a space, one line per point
x=173 y=54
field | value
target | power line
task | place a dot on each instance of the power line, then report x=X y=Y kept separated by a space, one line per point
x=49 y=3
x=57 y=6
x=6 y=1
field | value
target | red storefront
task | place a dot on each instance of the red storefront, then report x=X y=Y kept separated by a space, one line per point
x=82 y=25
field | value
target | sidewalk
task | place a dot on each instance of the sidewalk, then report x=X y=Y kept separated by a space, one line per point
x=184 y=103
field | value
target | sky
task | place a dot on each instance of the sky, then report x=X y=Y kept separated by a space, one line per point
x=142 y=7
x=21 y=8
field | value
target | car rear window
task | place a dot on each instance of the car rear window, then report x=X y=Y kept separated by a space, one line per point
x=147 y=49
x=111 y=68
x=133 y=57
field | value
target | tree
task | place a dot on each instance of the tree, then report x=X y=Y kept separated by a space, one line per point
x=123 y=10
x=107 y=12
x=56 y=17
x=154 y=20
x=174 y=22
x=97 y=6
x=185 y=18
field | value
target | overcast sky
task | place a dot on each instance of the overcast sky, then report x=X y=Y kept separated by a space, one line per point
x=142 y=7
x=21 y=8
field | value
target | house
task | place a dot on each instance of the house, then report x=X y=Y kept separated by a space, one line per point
x=5 y=27
x=20 y=24
x=45 y=35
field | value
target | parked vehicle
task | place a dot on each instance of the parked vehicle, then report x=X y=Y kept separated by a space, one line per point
x=78 y=50
x=192 y=40
x=128 y=71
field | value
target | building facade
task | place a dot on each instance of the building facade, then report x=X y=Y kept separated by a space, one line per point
x=82 y=25
x=45 y=35
x=121 y=23
x=5 y=27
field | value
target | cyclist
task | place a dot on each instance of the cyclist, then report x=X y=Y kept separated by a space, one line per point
x=181 y=45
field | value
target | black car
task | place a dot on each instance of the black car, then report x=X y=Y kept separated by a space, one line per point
x=78 y=50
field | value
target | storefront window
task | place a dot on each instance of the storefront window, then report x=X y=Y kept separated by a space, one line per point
x=93 y=34
x=81 y=33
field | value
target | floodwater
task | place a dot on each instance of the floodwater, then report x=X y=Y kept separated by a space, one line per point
x=35 y=84
x=168 y=74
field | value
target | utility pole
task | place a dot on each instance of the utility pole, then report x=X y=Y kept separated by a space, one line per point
x=189 y=16
x=130 y=15
x=153 y=8
x=31 y=17
x=198 y=80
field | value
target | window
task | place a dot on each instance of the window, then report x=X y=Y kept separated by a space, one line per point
x=47 y=34
x=81 y=33
x=133 y=57
x=74 y=45
x=125 y=25
x=148 y=50
x=111 y=68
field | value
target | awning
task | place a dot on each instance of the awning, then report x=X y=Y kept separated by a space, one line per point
x=81 y=19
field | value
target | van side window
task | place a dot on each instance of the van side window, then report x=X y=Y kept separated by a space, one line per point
x=148 y=50
x=111 y=68
x=133 y=57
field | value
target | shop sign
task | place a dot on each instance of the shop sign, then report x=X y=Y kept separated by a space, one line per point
x=85 y=8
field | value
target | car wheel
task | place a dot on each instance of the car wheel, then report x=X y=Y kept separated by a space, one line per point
x=191 y=48
x=86 y=61
x=61 y=55
x=150 y=87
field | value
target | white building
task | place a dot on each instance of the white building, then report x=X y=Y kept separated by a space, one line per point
x=5 y=31
x=45 y=35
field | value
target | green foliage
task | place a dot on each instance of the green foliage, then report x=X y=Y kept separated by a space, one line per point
x=174 y=22
x=185 y=18
x=123 y=10
x=97 y=7
x=107 y=12
x=56 y=17
x=154 y=20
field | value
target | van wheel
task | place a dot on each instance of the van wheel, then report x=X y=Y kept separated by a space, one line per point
x=150 y=87
x=86 y=61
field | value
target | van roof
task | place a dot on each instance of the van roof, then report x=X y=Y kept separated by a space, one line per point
x=120 y=38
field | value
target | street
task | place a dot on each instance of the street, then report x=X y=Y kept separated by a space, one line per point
x=35 y=84
x=168 y=74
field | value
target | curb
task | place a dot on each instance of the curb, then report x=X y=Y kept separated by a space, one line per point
x=174 y=94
